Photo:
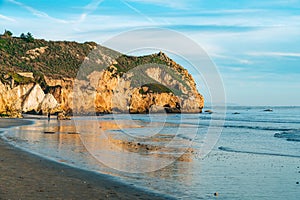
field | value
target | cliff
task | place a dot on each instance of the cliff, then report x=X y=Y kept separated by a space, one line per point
x=45 y=76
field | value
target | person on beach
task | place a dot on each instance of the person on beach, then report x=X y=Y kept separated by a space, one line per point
x=48 y=116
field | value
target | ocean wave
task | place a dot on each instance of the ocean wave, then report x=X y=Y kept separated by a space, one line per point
x=258 y=128
x=250 y=120
x=256 y=153
x=212 y=124
x=264 y=125
x=293 y=135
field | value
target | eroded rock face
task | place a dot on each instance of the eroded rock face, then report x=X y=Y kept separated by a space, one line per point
x=150 y=88
x=190 y=100
x=62 y=91
x=49 y=104
x=2 y=100
x=109 y=92
x=34 y=99
x=25 y=98
x=11 y=99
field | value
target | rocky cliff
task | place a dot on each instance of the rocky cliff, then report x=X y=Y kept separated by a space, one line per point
x=41 y=77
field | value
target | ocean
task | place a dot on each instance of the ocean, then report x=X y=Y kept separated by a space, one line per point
x=243 y=152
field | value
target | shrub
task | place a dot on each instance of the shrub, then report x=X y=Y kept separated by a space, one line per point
x=7 y=33
x=28 y=37
x=23 y=36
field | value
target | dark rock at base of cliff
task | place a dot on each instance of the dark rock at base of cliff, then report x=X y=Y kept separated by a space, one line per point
x=291 y=136
x=209 y=111
x=268 y=110
x=172 y=110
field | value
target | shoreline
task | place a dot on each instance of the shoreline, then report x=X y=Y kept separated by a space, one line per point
x=28 y=176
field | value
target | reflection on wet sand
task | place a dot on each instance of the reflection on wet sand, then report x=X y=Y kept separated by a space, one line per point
x=113 y=125
x=158 y=145
x=153 y=149
x=105 y=142
x=55 y=135
x=118 y=153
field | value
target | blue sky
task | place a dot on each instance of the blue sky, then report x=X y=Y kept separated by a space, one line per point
x=253 y=43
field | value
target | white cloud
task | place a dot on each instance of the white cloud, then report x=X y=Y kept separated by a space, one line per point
x=138 y=11
x=230 y=11
x=235 y=59
x=37 y=12
x=88 y=9
x=7 y=18
x=177 y=4
x=232 y=69
x=93 y=5
x=275 y=54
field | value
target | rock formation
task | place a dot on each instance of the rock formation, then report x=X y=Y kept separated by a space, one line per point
x=29 y=98
x=106 y=81
x=145 y=88
x=34 y=99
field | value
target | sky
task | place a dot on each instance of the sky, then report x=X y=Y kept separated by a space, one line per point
x=254 y=44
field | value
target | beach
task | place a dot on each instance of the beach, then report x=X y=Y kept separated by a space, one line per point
x=27 y=176
x=255 y=157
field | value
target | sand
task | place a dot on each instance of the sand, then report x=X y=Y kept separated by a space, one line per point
x=26 y=176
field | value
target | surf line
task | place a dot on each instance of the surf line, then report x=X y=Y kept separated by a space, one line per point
x=256 y=153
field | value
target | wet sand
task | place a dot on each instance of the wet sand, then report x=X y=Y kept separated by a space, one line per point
x=26 y=176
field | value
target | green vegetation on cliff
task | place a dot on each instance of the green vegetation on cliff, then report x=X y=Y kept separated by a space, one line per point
x=62 y=59
x=127 y=63
x=139 y=65
x=53 y=59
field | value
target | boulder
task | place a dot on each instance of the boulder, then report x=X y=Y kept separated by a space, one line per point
x=49 y=104
x=209 y=111
x=34 y=99
x=157 y=109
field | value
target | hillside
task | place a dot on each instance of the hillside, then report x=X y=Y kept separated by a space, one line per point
x=56 y=65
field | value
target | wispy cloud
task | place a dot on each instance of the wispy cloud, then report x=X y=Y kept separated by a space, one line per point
x=137 y=11
x=275 y=54
x=7 y=18
x=232 y=11
x=218 y=12
x=232 y=69
x=177 y=4
x=94 y=4
x=36 y=12
x=234 y=59
x=90 y=8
